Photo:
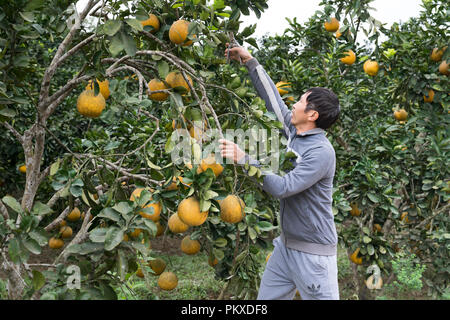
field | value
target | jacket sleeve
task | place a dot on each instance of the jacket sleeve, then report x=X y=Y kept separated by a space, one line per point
x=314 y=166
x=269 y=93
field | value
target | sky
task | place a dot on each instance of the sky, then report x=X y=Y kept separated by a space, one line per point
x=273 y=20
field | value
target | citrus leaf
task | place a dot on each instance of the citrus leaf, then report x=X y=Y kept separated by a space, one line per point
x=114 y=237
x=135 y=24
x=38 y=280
x=41 y=209
x=12 y=203
x=220 y=242
x=32 y=246
x=111 y=27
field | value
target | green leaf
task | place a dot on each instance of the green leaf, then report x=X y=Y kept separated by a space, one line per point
x=10 y=113
x=175 y=99
x=98 y=235
x=32 y=246
x=14 y=250
x=38 y=280
x=27 y=16
x=109 y=213
x=40 y=236
x=205 y=205
x=12 y=203
x=123 y=207
x=114 y=237
x=54 y=167
x=111 y=27
x=252 y=233
x=370 y=249
x=34 y=4
x=85 y=248
x=253 y=170
x=373 y=198
x=135 y=24
x=210 y=195
x=163 y=68
x=265 y=226
x=220 y=242
x=128 y=43
x=367 y=239
x=41 y=209
x=116 y=45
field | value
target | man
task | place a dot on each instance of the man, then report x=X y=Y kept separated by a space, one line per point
x=305 y=254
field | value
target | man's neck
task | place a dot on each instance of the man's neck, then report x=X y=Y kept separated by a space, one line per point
x=305 y=127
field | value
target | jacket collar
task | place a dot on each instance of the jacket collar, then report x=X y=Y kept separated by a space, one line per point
x=311 y=132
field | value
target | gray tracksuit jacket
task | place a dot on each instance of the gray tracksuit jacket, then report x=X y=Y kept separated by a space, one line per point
x=305 y=193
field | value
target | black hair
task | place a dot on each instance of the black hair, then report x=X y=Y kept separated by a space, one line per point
x=326 y=103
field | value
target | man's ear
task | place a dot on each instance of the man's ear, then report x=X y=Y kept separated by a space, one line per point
x=314 y=115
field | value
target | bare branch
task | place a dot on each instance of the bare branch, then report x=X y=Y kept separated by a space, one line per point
x=151 y=36
x=4 y=210
x=50 y=71
x=13 y=131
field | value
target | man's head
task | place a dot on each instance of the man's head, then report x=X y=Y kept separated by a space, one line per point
x=318 y=107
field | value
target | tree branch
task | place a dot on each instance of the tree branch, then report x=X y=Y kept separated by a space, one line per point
x=13 y=131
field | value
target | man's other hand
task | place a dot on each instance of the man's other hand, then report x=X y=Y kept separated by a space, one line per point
x=231 y=150
x=238 y=52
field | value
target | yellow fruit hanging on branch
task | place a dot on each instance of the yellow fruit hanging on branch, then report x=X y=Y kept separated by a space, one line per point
x=189 y=212
x=444 y=68
x=232 y=209
x=157 y=207
x=90 y=105
x=66 y=232
x=212 y=261
x=23 y=168
x=155 y=85
x=371 y=67
x=167 y=281
x=282 y=87
x=400 y=115
x=332 y=25
x=355 y=212
x=176 y=80
x=437 y=54
x=210 y=162
x=430 y=96
x=176 y=225
x=74 y=215
x=103 y=86
x=158 y=265
x=349 y=58
x=152 y=21
x=179 y=31
x=55 y=243
x=190 y=246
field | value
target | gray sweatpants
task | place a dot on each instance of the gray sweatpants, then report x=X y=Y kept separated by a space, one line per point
x=314 y=276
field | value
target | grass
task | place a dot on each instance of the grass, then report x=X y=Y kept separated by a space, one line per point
x=196 y=281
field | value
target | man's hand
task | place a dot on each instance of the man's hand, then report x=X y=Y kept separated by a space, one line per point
x=230 y=150
x=238 y=52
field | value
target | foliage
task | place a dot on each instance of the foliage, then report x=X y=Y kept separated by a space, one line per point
x=408 y=273
x=384 y=166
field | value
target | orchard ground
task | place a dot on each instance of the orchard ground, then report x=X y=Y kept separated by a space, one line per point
x=197 y=280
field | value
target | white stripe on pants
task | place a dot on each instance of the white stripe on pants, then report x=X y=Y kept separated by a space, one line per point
x=314 y=276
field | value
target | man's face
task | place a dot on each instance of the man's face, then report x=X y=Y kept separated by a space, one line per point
x=298 y=112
